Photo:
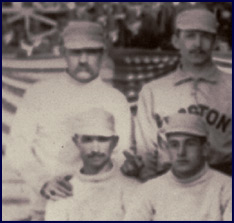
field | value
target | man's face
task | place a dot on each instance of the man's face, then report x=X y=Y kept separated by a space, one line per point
x=195 y=46
x=96 y=151
x=83 y=64
x=187 y=154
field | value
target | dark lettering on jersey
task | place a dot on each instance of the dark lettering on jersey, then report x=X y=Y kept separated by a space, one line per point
x=203 y=108
x=193 y=109
x=223 y=123
x=182 y=110
x=212 y=116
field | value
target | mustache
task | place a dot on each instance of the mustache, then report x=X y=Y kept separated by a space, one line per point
x=83 y=67
x=182 y=160
x=95 y=154
x=197 y=51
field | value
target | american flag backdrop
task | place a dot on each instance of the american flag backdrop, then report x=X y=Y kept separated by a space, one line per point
x=133 y=69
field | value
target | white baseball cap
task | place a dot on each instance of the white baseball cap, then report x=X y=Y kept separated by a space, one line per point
x=197 y=19
x=95 y=121
x=83 y=34
x=186 y=123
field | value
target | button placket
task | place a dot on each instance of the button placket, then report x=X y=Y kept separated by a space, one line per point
x=194 y=88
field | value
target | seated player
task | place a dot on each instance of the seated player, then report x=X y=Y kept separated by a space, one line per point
x=100 y=191
x=191 y=190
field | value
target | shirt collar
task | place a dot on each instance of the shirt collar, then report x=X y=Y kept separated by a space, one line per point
x=208 y=76
x=98 y=177
x=199 y=177
x=76 y=83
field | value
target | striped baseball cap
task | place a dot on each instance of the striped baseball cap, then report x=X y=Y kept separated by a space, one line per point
x=83 y=34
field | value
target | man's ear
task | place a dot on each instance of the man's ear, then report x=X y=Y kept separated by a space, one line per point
x=215 y=43
x=75 y=138
x=175 y=41
x=206 y=149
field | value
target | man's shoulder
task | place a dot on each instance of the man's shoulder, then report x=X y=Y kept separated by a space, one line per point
x=166 y=80
x=43 y=85
x=126 y=180
x=155 y=185
x=220 y=177
x=108 y=92
x=225 y=78
x=128 y=185
x=219 y=181
x=109 y=87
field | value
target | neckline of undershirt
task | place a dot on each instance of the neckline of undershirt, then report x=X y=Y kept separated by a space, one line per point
x=98 y=177
x=199 y=177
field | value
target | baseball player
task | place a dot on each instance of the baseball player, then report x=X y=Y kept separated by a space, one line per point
x=196 y=87
x=38 y=133
x=191 y=190
x=100 y=191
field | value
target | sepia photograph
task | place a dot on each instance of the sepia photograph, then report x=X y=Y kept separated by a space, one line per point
x=116 y=111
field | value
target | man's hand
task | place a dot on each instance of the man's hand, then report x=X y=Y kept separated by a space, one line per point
x=153 y=167
x=57 y=188
x=150 y=168
x=132 y=165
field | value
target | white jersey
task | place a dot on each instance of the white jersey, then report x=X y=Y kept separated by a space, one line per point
x=41 y=141
x=209 y=96
x=101 y=197
x=205 y=197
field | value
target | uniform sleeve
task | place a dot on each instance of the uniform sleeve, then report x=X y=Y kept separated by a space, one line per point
x=221 y=134
x=145 y=125
x=24 y=140
x=226 y=201
x=122 y=125
x=57 y=211
x=140 y=208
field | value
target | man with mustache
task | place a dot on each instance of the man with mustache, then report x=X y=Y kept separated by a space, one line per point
x=191 y=190
x=100 y=191
x=196 y=87
x=37 y=132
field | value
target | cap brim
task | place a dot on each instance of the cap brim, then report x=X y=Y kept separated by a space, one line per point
x=197 y=27
x=186 y=131
x=95 y=132
x=84 y=45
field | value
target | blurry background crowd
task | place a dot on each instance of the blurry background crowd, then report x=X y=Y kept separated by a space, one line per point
x=138 y=34
x=147 y=25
